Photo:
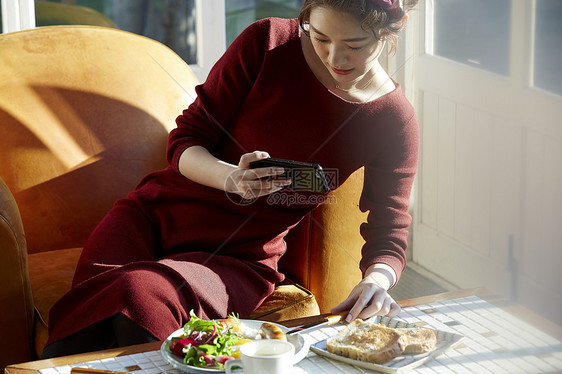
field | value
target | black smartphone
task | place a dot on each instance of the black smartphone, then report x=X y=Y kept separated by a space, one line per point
x=304 y=176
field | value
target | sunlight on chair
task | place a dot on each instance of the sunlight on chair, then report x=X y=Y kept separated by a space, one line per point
x=58 y=140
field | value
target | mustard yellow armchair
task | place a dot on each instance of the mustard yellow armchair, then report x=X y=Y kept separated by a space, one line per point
x=84 y=114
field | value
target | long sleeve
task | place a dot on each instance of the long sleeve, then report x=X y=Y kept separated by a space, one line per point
x=386 y=195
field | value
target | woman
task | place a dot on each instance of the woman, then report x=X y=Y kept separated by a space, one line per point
x=310 y=90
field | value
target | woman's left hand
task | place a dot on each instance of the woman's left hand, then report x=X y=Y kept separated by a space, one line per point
x=369 y=298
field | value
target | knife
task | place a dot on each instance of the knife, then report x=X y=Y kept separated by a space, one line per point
x=80 y=370
x=328 y=320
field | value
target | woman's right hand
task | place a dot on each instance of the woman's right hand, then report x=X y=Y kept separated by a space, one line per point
x=251 y=183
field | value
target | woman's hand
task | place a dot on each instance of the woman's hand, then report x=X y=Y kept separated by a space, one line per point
x=252 y=183
x=370 y=297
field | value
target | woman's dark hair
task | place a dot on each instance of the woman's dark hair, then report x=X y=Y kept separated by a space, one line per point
x=371 y=17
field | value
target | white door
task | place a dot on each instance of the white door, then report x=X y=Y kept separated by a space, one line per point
x=488 y=206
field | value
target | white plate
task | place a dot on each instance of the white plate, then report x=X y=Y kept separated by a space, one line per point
x=301 y=349
x=445 y=341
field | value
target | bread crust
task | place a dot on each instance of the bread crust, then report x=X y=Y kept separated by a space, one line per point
x=376 y=343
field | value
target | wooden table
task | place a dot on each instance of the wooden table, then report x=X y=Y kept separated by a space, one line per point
x=521 y=313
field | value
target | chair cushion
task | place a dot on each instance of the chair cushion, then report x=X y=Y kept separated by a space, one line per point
x=51 y=275
x=289 y=300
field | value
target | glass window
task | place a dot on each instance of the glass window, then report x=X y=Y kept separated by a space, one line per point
x=474 y=32
x=241 y=13
x=171 y=22
x=548 y=45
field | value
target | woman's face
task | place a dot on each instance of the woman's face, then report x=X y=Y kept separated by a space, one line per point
x=347 y=51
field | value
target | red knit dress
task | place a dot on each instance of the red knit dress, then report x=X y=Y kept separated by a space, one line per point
x=173 y=245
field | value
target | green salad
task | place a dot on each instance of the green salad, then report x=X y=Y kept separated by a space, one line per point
x=208 y=343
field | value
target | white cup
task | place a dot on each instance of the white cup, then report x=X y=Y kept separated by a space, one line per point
x=264 y=356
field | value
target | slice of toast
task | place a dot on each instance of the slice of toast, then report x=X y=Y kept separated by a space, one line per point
x=366 y=341
x=378 y=344
x=417 y=339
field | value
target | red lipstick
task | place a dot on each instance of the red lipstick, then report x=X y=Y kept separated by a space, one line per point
x=342 y=72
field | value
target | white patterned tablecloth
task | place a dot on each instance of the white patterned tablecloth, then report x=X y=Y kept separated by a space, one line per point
x=495 y=342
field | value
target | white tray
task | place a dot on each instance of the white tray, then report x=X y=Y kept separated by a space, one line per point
x=445 y=341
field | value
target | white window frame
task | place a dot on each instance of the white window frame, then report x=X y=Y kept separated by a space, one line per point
x=17 y=15
x=211 y=35
x=210 y=29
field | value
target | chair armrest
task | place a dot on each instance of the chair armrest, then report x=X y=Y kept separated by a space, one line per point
x=16 y=324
